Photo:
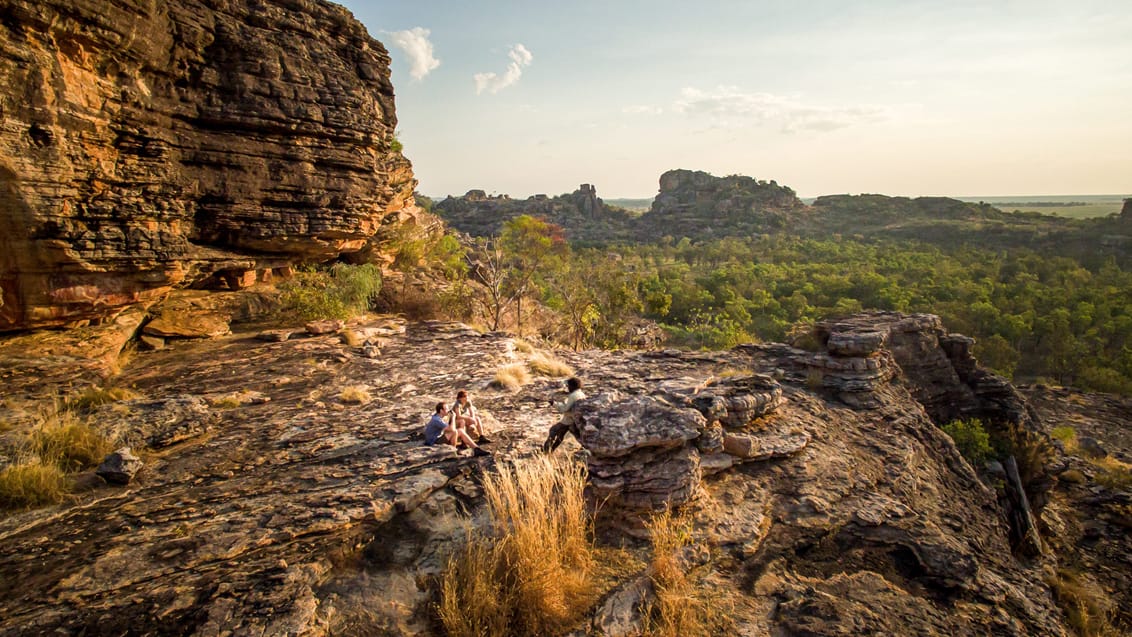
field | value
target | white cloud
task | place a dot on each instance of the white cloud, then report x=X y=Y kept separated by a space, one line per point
x=493 y=82
x=418 y=49
x=789 y=112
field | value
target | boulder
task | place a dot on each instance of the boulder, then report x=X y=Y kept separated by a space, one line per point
x=318 y=328
x=119 y=467
x=175 y=324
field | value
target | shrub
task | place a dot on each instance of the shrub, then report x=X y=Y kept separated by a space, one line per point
x=971 y=438
x=341 y=292
x=532 y=576
x=549 y=365
x=512 y=377
x=31 y=483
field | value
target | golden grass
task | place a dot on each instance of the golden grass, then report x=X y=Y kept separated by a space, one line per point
x=533 y=577
x=70 y=443
x=59 y=442
x=226 y=402
x=1113 y=473
x=682 y=607
x=549 y=365
x=1068 y=437
x=1087 y=608
x=352 y=338
x=31 y=483
x=355 y=394
x=523 y=346
x=93 y=397
x=512 y=377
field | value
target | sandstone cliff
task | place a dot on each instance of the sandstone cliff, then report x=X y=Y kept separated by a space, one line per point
x=147 y=145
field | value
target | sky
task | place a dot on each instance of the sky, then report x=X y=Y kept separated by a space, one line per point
x=898 y=97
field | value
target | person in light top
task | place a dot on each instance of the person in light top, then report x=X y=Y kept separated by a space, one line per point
x=565 y=407
x=464 y=415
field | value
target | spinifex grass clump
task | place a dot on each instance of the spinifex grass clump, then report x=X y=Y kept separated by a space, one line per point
x=533 y=574
x=69 y=442
x=682 y=608
x=30 y=483
x=549 y=365
x=512 y=377
x=60 y=442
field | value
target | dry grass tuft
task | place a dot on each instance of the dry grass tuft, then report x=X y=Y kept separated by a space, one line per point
x=549 y=365
x=1086 y=606
x=70 y=443
x=534 y=577
x=682 y=607
x=523 y=346
x=1068 y=437
x=1113 y=473
x=58 y=443
x=355 y=394
x=31 y=483
x=352 y=338
x=512 y=377
x=93 y=397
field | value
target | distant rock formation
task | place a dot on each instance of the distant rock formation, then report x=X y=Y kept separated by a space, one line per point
x=582 y=213
x=145 y=146
x=699 y=205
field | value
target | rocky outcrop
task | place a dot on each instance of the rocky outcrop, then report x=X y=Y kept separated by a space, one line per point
x=582 y=213
x=648 y=454
x=270 y=505
x=698 y=205
x=145 y=147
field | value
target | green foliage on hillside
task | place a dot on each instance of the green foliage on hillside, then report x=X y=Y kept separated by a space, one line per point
x=1031 y=314
x=972 y=440
x=339 y=292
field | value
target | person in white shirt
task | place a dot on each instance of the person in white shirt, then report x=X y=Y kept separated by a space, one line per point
x=566 y=408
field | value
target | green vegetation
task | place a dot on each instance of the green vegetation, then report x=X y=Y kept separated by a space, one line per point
x=972 y=440
x=1030 y=313
x=339 y=292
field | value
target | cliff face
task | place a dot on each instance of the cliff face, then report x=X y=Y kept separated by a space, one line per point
x=150 y=145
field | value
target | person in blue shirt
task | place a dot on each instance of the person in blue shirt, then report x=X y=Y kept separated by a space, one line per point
x=438 y=430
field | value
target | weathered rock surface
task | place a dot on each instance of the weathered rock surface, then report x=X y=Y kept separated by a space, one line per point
x=302 y=514
x=119 y=467
x=144 y=147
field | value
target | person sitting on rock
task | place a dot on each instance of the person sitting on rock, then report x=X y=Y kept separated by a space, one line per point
x=566 y=408
x=465 y=416
x=439 y=430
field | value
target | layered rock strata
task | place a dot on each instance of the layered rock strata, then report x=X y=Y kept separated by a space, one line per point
x=650 y=453
x=146 y=146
